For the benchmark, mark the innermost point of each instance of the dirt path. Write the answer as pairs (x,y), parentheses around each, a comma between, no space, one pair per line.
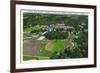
(41,38)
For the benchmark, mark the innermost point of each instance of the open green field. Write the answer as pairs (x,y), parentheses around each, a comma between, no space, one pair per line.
(53,46)
(26,58)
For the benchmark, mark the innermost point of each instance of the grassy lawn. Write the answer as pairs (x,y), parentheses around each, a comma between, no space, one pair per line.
(35,28)
(43,58)
(43,51)
(56,45)
(59,45)
(25,58)
(31,29)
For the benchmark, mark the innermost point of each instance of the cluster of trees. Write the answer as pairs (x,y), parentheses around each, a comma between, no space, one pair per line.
(54,35)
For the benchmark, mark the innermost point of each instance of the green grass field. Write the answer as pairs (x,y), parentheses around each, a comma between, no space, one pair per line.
(54,46)
(59,45)
(27,58)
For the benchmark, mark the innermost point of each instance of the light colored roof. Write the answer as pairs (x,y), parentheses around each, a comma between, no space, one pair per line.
(63,26)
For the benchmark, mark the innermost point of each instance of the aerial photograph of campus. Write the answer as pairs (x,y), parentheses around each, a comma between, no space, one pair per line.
(54,36)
